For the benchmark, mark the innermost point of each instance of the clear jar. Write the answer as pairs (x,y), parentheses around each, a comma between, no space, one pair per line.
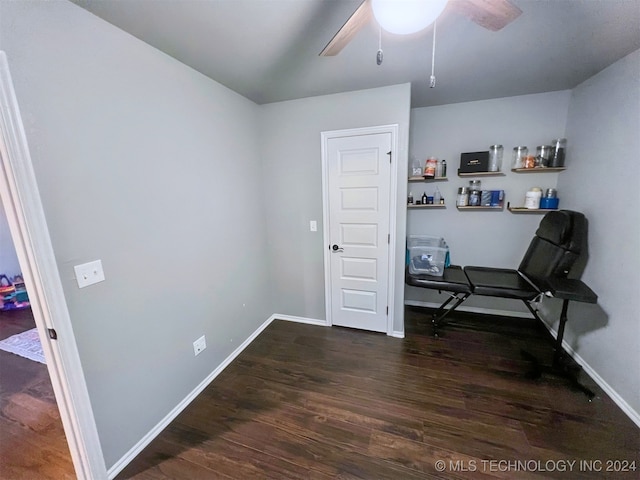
(543,155)
(475,185)
(474,198)
(519,156)
(495,158)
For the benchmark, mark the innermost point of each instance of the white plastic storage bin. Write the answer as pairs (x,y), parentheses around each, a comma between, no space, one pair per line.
(427,254)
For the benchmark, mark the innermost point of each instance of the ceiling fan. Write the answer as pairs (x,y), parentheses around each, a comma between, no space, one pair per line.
(490,14)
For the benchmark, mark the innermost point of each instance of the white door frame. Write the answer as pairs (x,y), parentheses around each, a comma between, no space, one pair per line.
(393,194)
(25,215)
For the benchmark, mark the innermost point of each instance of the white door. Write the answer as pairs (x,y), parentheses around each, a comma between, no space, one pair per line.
(358,181)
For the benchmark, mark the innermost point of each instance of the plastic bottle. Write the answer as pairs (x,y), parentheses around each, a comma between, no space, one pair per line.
(444,168)
(424,198)
(437,197)
(410,199)
(532,198)
(416,168)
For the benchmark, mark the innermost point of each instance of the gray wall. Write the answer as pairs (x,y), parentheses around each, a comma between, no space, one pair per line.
(603,129)
(485,238)
(146,164)
(8,258)
(290,146)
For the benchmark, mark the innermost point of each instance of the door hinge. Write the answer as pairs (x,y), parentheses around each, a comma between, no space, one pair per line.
(53,335)
(387,309)
(388,238)
(389,153)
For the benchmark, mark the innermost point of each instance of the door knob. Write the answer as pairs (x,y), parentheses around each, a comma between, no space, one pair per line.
(336,248)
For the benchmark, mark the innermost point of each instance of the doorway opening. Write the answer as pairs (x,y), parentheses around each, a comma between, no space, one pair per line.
(25,216)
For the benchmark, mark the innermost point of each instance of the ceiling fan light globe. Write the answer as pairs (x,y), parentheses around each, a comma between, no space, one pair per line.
(403,17)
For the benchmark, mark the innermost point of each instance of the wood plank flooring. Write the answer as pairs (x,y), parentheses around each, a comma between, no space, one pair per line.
(32,441)
(312,402)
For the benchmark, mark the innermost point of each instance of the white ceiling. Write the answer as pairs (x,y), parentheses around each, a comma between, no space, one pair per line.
(267,50)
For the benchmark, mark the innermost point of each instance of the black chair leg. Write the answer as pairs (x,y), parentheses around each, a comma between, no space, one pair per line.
(439,314)
(559,367)
(436,317)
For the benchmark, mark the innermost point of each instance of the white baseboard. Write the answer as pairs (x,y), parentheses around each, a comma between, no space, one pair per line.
(397,334)
(624,406)
(291,318)
(155,431)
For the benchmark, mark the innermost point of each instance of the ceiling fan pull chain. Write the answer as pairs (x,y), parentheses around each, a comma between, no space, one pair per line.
(432,79)
(379,54)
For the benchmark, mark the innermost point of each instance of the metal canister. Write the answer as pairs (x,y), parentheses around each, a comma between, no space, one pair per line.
(462,200)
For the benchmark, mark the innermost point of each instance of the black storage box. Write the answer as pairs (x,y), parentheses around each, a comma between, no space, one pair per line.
(474,162)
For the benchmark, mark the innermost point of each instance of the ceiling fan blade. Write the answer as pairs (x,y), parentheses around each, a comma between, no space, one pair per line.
(360,17)
(491,14)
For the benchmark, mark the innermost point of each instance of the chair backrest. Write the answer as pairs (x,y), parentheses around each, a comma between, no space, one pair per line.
(556,247)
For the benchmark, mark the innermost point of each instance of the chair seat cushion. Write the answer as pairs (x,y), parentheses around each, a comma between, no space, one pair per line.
(500,282)
(452,280)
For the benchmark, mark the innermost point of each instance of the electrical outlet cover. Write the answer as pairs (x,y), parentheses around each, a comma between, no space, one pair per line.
(199,345)
(89,273)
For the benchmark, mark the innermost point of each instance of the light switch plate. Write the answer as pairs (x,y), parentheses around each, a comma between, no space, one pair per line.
(313,226)
(89,273)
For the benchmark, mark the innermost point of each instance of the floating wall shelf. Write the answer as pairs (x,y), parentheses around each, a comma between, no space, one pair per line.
(529,210)
(426,206)
(425,179)
(497,207)
(538,170)
(481,174)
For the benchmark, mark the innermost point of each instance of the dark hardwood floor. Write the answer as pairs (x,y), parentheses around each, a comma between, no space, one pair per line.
(312,402)
(32,441)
